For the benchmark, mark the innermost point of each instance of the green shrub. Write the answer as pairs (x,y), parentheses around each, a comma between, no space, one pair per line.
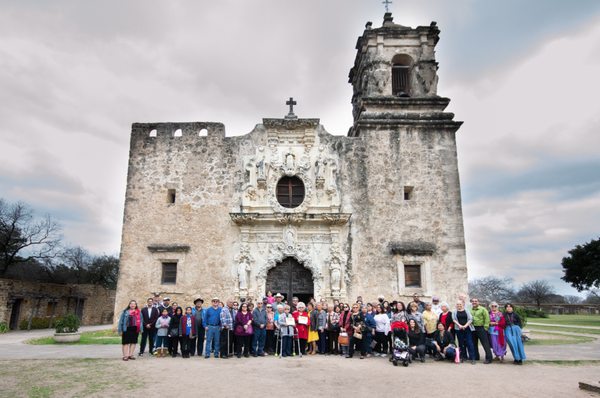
(68,324)
(522,313)
(3,327)
(36,323)
(534,313)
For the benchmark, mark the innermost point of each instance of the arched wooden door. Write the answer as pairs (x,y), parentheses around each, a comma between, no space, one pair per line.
(291,279)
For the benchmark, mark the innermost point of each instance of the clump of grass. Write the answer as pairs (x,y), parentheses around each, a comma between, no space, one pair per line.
(97,337)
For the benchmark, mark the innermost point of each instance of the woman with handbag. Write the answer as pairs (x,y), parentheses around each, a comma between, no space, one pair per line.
(333,329)
(243,331)
(345,329)
(357,322)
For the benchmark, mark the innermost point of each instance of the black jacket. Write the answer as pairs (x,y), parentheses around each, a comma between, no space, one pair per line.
(149,316)
(415,338)
(443,342)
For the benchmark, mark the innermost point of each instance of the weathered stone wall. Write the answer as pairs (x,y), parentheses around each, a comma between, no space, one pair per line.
(202,170)
(355,231)
(376,166)
(98,302)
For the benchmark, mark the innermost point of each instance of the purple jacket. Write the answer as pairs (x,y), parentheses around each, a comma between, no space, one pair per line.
(240,321)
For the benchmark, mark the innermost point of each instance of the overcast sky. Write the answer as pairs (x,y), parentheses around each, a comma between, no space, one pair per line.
(523,75)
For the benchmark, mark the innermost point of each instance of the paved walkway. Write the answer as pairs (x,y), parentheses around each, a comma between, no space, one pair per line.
(12,346)
(529,323)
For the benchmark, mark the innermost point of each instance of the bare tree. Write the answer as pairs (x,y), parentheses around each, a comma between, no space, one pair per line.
(537,291)
(569,299)
(79,261)
(24,238)
(491,288)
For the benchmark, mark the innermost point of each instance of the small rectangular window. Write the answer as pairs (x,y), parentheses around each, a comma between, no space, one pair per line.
(51,308)
(171,196)
(408,193)
(412,275)
(169,273)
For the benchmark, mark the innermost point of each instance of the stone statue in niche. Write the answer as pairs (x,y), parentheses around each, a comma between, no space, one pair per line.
(332,186)
(290,163)
(260,164)
(243,271)
(336,275)
(320,165)
(289,238)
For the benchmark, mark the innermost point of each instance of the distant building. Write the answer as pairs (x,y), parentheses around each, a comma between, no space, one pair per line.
(291,208)
(23,302)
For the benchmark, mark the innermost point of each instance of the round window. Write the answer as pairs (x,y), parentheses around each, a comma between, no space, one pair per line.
(290,192)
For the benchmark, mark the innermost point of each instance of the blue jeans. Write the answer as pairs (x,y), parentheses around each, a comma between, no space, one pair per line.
(322,343)
(368,336)
(161,342)
(286,346)
(258,341)
(465,343)
(212,341)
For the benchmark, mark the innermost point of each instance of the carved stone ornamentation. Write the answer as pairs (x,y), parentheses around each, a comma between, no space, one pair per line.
(280,251)
(243,218)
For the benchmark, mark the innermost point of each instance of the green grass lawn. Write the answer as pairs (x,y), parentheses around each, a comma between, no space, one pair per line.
(554,339)
(574,320)
(97,337)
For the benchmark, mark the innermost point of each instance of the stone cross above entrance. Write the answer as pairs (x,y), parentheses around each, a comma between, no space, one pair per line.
(386,3)
(291,104)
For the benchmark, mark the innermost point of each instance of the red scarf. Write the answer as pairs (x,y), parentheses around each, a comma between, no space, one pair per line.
(135,314)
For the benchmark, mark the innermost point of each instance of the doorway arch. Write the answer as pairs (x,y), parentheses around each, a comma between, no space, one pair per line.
(290,279)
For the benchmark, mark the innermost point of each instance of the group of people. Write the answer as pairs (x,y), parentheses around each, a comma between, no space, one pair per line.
(273,326)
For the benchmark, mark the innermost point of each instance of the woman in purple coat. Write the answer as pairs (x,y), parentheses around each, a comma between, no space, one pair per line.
(242,328)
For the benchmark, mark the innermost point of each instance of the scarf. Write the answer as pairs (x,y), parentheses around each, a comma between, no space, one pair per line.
(135,319)
(498,330)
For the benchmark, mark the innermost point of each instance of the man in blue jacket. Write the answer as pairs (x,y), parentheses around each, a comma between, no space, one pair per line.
(212,325)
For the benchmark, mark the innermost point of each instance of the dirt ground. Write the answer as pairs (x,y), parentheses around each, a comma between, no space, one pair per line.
(312,376)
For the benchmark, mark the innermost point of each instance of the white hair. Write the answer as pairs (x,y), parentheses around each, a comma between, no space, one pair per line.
(279,306)
(301,305)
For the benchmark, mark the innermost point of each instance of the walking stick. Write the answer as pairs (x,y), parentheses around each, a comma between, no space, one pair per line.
(227,331)
(297,336)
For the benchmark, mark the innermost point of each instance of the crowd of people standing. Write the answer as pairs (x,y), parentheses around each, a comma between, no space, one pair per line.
(273,326)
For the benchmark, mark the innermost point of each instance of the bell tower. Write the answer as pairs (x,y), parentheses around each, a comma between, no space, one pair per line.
(394,77)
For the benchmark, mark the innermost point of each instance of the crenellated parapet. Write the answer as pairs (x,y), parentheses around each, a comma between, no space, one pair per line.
(174,130)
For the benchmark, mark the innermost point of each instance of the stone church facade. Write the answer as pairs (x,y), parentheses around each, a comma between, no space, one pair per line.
(291,208)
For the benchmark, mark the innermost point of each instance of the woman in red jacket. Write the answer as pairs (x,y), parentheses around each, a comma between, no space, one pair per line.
(302,323)
(345,326)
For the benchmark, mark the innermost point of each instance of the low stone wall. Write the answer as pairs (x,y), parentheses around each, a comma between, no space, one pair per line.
(23,300)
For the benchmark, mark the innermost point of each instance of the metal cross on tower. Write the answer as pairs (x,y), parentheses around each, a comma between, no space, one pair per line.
(387,5)
(291,104)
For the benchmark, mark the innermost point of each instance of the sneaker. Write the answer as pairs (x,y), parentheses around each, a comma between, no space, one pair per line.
(473,362)
(141,354)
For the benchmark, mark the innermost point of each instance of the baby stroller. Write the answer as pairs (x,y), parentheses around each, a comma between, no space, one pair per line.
(400,351)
